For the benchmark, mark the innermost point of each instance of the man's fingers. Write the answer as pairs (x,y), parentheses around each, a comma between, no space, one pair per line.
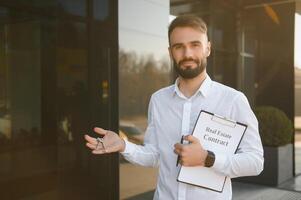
(177,151)
(91,140)
(178,146)
(99,150)
(91,146)
(191,139)
(108,144)
(100,131)
(181,162)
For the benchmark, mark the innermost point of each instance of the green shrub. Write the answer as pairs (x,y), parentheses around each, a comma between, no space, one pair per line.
(274,126)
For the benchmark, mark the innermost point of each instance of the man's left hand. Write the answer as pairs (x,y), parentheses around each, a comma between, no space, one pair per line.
(192,154)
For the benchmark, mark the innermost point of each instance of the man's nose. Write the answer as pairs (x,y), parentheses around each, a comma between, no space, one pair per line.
(188,52)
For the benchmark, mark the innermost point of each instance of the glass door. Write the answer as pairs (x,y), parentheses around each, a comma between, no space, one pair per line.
(58,69)
(28,152)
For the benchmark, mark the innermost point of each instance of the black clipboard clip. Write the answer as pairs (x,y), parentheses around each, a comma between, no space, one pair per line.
(223,120)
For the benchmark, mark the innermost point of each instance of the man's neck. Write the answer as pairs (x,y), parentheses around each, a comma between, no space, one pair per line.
(189,86)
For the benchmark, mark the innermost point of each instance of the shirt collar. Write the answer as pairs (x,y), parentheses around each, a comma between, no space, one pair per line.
(203,89)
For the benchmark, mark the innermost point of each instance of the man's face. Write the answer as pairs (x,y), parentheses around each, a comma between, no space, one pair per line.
(189,49)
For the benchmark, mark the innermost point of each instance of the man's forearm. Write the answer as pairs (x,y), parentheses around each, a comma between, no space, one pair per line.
(146,155)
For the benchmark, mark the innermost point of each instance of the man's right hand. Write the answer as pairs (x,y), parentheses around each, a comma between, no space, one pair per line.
(111,142)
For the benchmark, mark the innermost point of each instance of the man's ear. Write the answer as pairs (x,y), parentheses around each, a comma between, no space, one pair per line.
(208,49)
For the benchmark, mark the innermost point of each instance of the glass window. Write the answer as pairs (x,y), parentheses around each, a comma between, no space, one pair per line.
(73,7)
(56,85)
(100,9)
(27,146)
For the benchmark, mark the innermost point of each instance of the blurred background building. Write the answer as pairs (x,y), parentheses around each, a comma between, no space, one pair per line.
(67,66)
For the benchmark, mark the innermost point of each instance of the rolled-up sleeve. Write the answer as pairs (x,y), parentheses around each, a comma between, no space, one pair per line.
(147,154)
(248,160)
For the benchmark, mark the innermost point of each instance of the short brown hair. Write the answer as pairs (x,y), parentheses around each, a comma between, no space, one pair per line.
(192,21)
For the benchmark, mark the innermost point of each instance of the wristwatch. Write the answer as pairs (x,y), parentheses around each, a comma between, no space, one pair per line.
(209,159)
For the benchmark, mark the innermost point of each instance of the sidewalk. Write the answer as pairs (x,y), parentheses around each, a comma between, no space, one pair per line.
(244,191)
(139,189)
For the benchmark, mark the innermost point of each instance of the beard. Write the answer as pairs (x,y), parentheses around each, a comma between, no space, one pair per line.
(188,72)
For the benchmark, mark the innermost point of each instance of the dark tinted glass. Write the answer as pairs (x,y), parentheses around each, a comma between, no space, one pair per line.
(28,133)
(55,86)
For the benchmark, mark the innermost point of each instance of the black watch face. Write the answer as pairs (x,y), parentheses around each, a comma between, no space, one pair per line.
(210,159)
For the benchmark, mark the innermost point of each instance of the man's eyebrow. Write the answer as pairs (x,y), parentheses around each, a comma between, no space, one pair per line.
(196,41)
(176,44)
(191,42)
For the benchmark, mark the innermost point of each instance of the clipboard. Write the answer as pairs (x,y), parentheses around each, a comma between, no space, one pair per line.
(218,134)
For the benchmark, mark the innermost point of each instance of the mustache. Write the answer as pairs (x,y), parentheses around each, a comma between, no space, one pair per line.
(189,59)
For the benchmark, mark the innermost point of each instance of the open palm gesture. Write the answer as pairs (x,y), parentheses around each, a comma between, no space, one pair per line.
(109,143)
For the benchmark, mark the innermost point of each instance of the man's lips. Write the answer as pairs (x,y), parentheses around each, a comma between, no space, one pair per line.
(188,63)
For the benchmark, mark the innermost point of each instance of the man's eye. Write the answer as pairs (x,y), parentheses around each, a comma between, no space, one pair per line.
(196,45)
(177,47)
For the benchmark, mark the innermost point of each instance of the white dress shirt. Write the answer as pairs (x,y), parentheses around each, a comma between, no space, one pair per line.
(172,115)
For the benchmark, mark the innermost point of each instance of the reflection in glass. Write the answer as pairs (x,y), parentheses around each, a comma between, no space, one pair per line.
(73,108)
(72,88)
(27,151)
(269,49)
(47,70)
(100,9)
(73,7)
